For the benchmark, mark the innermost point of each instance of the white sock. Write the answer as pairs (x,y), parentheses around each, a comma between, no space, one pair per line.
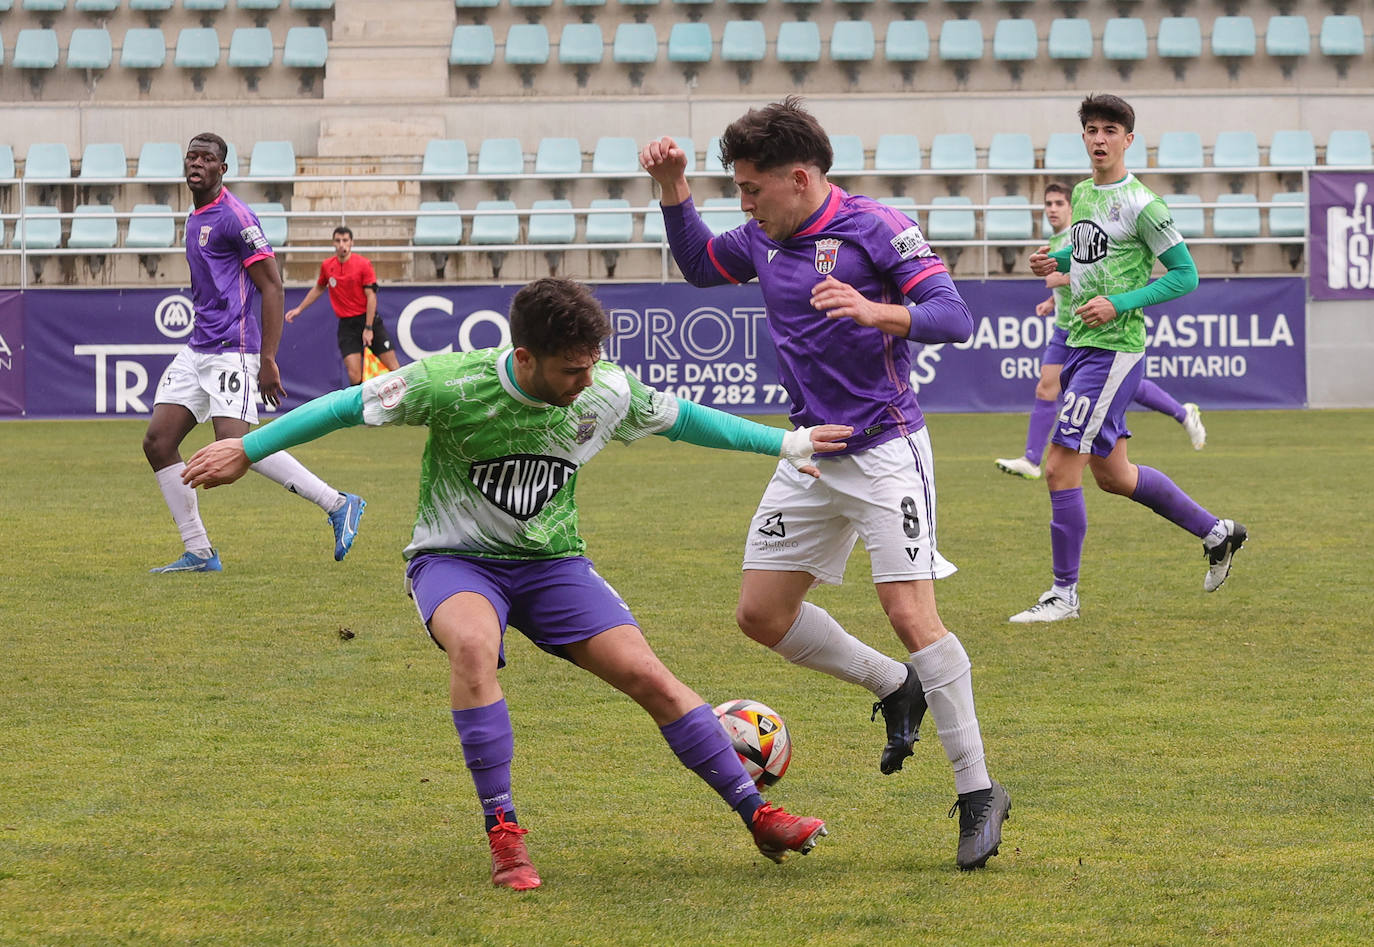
(1218,534)
(181,500)
(817,641)
(947,678)
(1067,592)
(293,475)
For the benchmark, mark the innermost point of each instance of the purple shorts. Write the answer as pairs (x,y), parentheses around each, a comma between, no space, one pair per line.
(1098,386)
(1057,349)
(553,602)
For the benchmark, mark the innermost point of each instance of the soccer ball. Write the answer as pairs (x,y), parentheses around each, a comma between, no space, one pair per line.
(760,738)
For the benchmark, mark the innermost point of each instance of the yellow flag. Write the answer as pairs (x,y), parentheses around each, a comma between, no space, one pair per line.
(372,365)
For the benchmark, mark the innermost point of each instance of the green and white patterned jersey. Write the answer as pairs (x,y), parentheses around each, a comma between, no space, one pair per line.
(1118,231)
(500,469)
(1064,317)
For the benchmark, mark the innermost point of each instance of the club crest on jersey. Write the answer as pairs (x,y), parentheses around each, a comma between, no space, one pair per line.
(204,235)
(1114,215)
(586,427)
(827,251)
(521,484)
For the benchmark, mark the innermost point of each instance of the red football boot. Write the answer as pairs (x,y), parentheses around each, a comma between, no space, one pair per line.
(510,862)
(777,832)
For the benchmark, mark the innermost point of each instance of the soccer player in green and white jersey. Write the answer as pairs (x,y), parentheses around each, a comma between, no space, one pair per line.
(1120,227)
(496,539)
(1047,389)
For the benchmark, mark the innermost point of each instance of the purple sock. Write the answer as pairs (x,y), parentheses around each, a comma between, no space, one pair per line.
(700,743)
(1149,395)
(488,746)
(1162,495)
(1042,418)
(1068,526)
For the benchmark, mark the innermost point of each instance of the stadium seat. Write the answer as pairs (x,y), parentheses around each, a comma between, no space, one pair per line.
(905,204)
(1292,148)
(35,51)
(206,8)
(689,45)
(723,213)
(49,161)
(444,158)
(307,49)
(852,43)
(1290,220)
(1137,154)
(1179,150)
(635,45)
(1236,150)
(800,8)
(1287,39)
(500,159)
(103,160)
(616,155)
(560,159)
(688,147)
(1071,42)
(654,229)
(478,7)
(849,154)
(952,218)
(7,171)
(1064,151)
(231,159)
(96,6)
(581,46)
(1233,39)
(640,8)
(153,8)
(1237,222)
(90,48)
(906,42)
(151,233)
(610,228)
(897,152)
(1341,40)
(586,9)
(961,42)
(94,227)
(798,45)
(1015,42)
(272,216)
(438,225)
(250,49)
(1011,151)
(1012,223)
(145,49)
(272,159)
(495,229)
(1189,221)
(159,159)
(1124,42)
(312,5)
(527,46)
(259,8)
(710,163)
(1348,148)
(44,7)
(953,151)
(197,50)
(38,229)
(551,227)
(1179,41)
(473,45)
(743,43)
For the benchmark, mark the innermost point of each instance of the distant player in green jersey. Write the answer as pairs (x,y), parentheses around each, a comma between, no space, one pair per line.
(496,538)
(1047,390)
(1119,228)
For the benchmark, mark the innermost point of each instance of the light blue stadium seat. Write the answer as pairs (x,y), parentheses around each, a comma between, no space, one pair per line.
(151,233)
(159,159)
(496,229)
(151,7)
(952,218)
(1064,151)
(1012,223)
(527,44)
(1290,220)
(723,213)
(852,42)
(260,9)
(6,167)
(640,8)
(250,49)
(145,49)
(1233,39)
(635,44)
(585,8)
(500,157)
(1235,150)
(906,42)
(689,149)
(1137,154)
(272,159)
(312,4)
(1179,41)
(1070,42)
(906,205)
(711,159)
(531,8)
(849,154)
(307,47)
(39,229)
(35,49)
(743,42)
(690,44)
(897,152)
(1189,221)
(1124,42)
(953,151)
(1348,148)
(197,50)
(272,216)
(44,6)
(90,48)
(231,160)
(581,44)
(479,5)
(561,157)
(1288,40)
(445,157)
(1015,42)
(96,6)
(1341,40)
(94,227)
(1236,222)
(961,42)
(1294,148)
(473,44)
(1179,150)
(206,6)
(48,160)
(654,229)
(610,228)
(799,45)
(440,224)
(103,160)
(1011,151)
(616,155)
(552,228)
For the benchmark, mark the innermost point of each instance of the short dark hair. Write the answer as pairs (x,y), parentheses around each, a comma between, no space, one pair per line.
(341,229)
(1059,187)
(775,135)
(215,140)
(1105,107)
(553,316)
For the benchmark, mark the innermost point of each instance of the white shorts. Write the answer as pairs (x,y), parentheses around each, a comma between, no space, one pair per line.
(884,496)
(212,384)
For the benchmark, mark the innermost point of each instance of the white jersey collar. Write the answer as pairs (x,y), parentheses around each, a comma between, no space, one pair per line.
(505,371)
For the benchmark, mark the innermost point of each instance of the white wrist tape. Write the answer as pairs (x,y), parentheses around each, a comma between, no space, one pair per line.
(796,447)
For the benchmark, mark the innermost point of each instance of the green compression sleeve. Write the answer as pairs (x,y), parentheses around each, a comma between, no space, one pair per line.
(1179,280)
(707,427)
(1062,257)
(331,412)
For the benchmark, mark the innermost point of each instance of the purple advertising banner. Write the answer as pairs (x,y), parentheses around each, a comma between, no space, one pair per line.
(1233,343)
(1340,234)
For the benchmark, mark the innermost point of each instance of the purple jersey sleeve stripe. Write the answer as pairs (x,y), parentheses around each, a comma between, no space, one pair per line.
(927,272)
(711,252)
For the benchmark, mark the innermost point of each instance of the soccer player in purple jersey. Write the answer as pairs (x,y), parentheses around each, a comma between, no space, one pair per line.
(847,281)
(228,360)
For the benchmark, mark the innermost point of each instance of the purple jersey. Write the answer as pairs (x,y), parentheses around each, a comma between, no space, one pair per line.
(223,239)
(836,371)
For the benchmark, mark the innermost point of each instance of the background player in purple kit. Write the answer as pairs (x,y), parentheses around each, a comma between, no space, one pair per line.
(228,361)
(846,282)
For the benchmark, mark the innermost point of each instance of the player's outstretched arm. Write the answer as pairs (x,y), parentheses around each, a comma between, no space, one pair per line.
(708,427)
(315,293)
(217,463)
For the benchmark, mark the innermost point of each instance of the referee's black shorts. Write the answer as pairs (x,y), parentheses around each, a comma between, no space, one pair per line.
(351,335)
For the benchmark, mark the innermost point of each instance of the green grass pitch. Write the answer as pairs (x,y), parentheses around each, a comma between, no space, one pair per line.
(213,759)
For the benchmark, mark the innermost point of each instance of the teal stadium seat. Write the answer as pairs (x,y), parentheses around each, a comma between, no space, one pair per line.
(1179,150)
(953,151)
(94,227)
(1341,40)
(1137,154)
(473,46)
(654,229)
(438,224)
(616,155)
(231,160)
(1064,151)
(1124,42)
(481,6)
(558,157)
(35,50)
(1348,148)
(852,43)
(1240,221)
(444,157)
(906,205)
(144,49)
(496,229)
(44,6)
(635,45)
(527,46)
(1070,43)
(272,216)
(500,159)
(743,43)
(689,45)
(1288,40)
(306,47)
(1293,148)
(272,159)
(49,161)
(197,50)
(1291,219)
(586,8)
(6,168)
(206,8)
(710,163)
(961,42)
(1236,150)
(640,8)
(532,9)
(552,227)
(897,152)
(1190,221)
(610,228)
(159,159)
(1011,151)
(314,9)
(849,154)
(906,42)
(1179,41)
(96,6)
(952,218)
(250,50)
(151,233)
(153,8)
(798,45)
(90,48)
(581,46)
(1015,42)
(723,213)
(38,229)
(1010,221)
(103,160)
(1233,39)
